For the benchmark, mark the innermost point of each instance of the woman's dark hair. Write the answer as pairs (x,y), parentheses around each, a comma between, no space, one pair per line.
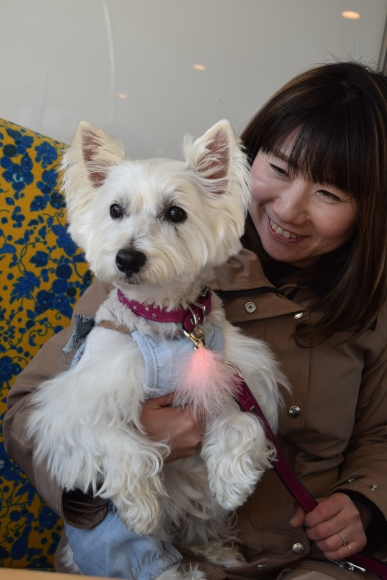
(338,114)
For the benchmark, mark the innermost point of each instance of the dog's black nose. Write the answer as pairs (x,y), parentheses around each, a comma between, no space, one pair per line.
(130,261)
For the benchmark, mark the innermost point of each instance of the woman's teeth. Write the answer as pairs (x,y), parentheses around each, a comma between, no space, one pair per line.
(284,233)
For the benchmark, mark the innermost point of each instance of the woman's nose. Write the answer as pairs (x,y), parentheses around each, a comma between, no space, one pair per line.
(291,206)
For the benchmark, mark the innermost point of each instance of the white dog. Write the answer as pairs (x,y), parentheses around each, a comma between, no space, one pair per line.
(155,230)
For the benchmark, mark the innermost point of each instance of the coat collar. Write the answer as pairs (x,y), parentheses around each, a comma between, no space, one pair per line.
(244,272)
(241,272)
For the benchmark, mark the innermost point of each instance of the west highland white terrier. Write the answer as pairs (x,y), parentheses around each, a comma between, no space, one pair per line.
(155,229)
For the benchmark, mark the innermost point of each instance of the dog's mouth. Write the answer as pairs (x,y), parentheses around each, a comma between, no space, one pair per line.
(133,279)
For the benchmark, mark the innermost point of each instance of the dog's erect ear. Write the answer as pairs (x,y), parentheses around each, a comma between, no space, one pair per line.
(221,174)
(85,166)
(212,154)
(99,151)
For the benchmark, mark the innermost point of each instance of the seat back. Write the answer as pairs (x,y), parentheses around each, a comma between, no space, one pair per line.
(42,275)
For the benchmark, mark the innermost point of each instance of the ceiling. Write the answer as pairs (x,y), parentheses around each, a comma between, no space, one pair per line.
(149,71)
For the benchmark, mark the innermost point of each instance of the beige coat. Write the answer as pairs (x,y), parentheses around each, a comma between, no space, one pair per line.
(333,427)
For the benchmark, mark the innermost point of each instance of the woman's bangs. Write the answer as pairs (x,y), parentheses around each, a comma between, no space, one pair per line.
(325,152)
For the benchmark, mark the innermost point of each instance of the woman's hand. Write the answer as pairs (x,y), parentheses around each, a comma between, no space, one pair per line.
(176,425)
(335,525)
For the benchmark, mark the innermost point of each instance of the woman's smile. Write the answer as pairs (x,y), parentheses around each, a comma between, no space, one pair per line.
(276,229)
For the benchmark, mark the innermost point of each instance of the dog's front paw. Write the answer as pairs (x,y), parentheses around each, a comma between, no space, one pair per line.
(232,484)
(236,454)
(135,486)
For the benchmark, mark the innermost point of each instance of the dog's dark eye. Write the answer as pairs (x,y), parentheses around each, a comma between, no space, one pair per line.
(175,214)
(116,211)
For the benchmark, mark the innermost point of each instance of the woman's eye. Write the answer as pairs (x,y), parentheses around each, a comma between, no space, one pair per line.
(116,211)
(279,170)
(175,214)
(329,196)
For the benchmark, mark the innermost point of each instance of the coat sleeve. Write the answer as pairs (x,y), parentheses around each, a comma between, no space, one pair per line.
(49,361)
(365,465)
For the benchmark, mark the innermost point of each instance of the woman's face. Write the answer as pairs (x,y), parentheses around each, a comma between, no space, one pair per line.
(298,221)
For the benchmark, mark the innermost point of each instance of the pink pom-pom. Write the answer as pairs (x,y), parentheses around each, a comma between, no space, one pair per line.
(205,381)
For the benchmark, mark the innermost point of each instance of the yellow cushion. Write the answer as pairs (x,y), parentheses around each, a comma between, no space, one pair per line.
(42,275)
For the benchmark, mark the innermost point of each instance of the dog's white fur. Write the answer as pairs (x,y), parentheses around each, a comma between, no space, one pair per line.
(86,420)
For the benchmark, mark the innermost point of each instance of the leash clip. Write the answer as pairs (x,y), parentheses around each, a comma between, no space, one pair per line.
(197,337)
(347,565)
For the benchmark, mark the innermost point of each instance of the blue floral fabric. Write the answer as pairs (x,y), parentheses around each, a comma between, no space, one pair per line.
(42,275)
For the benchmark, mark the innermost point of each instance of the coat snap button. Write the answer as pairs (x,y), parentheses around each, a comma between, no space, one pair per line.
(298,548)
(374,487)
(298,315)
(294,411)
(250,307)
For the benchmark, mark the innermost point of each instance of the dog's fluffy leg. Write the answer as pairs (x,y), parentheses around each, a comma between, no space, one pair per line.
(86,426)
(236,453)
(235,448)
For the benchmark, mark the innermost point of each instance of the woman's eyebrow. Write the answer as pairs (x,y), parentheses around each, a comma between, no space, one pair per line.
(280,155)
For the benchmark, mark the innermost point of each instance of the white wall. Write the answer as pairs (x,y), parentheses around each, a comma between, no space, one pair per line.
(127,65)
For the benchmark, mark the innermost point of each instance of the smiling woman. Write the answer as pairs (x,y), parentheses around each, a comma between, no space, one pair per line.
(315,175)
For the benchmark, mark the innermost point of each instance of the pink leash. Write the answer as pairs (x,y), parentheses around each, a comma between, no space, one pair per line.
(248,403)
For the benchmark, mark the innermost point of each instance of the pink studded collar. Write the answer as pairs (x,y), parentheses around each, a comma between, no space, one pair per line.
(189,317)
